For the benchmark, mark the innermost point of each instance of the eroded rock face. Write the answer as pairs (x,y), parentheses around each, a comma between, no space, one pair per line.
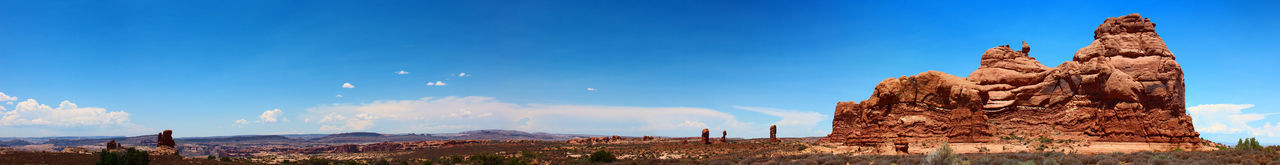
(1124,87)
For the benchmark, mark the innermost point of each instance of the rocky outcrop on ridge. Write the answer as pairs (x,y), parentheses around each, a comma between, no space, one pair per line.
(1124,87)
(165,139)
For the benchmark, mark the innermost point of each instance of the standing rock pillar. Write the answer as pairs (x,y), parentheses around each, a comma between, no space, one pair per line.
(724,133)
(773,133)
(706,135)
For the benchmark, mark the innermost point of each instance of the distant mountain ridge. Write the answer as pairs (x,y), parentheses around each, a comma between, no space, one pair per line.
(337,138)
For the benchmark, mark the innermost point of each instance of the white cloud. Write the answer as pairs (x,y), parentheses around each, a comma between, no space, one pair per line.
(348,85)
(4,97)
(402,72)
(30,118)
(591,89)
(437,83)
(67,114)
(463,75)
(242,121)
(339,95)
(271,116)
(466,114)
(451,114)
(1222,118)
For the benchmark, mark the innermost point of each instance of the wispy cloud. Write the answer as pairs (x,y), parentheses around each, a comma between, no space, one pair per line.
(449,114)
(402,72)
(591,89)
(339,95)
(463,75)
(242,121)
(791,118)
(348,85)
(437,83)
(4,97)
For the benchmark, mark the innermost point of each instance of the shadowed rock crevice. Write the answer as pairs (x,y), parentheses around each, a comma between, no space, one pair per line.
(1124,87)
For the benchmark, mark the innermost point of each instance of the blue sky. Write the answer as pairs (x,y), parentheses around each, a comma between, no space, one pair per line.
(664,68)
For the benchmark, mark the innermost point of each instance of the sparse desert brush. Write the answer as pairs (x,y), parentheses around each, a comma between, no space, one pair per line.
(941,156)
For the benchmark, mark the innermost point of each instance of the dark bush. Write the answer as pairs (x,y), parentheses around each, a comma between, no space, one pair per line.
(131,156)
(602,156)
(492,159)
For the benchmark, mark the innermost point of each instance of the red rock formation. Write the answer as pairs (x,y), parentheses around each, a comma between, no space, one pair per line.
(111,145)
(165,144)
(1124,87)
(384,146)
(706,136)
(724,133)
(165,138)
(1026,49)
(773,133)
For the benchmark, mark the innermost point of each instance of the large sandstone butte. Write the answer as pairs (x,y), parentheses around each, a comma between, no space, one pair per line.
(1124,87)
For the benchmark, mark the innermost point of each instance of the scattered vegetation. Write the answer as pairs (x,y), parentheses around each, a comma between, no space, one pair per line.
(1248,144)
(129,157)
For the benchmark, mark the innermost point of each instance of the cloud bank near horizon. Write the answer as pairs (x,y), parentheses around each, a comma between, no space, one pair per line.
(454,114)
(34,118)
(1213,121)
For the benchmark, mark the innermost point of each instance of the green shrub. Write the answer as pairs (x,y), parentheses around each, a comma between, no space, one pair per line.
(130,157)
(486,159)
(317,161)
(602,156)
(1248,144)
(529,155)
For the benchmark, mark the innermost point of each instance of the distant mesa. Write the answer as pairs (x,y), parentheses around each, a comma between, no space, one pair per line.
(1124,87)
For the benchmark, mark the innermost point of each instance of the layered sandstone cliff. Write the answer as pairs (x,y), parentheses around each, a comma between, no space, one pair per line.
(1124,87)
